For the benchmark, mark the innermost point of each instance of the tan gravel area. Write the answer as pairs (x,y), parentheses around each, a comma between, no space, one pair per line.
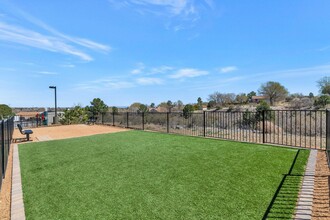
(5,196)
(66,131)
(321,208)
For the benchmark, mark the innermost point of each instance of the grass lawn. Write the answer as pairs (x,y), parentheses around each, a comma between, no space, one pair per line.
(145,175)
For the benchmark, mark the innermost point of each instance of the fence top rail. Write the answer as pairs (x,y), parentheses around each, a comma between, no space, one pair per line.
(222,111)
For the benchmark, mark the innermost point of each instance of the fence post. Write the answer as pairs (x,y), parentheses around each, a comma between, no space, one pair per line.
(168,122)
(113,118)
(142,120)
(127,120)
(204,123)
(3,148)
(327,131)
(263,126)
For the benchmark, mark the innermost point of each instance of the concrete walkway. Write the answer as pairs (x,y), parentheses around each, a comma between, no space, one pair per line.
(305,200)
(17,205)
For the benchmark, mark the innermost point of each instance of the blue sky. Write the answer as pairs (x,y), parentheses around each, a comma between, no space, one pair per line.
(158,50)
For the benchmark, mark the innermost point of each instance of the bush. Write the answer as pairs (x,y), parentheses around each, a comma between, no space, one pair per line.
(187,111)
(322,101)
(264,106)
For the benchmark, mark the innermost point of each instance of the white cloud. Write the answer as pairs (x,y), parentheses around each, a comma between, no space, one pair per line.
(104,84)
(47,73)
(182,13)
(53,41)
(228,69)
(33,39)
(161,69)
(188,73)
(139,69)
(68,65)
(149,81)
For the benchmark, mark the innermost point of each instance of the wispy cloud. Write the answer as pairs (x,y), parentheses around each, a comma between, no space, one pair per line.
(53,41)
(33,39)
(161,69)
(324,48)
(47,73)
(104,84)
(188,73)
(149,81)
(69,65)
(139,68)
(227,69)
(186,11)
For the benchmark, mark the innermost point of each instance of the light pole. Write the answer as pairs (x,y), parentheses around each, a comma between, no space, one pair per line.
(55,120)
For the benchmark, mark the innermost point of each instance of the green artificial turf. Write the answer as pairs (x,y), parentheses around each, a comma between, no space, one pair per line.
(144,175)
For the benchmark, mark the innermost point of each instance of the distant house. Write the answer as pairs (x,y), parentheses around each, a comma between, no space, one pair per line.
(257,99)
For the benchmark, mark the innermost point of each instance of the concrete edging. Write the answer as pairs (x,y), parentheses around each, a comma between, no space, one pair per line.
(305,199)
(17,204)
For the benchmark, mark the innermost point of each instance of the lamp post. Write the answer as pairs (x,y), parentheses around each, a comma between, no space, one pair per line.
(55,120)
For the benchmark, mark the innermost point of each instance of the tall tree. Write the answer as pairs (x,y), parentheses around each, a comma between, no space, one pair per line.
(222,98)
(179,104)
(143,108)
(274,91)
(97,107)
(199,103)
(169,105)
(5,111)
(152,105)
(114,110)
(324,85)
(250,94)
(242,98)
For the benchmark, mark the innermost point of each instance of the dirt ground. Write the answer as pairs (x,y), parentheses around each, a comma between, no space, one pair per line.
(44,134)
(66,131)
(321,208)
(5,196)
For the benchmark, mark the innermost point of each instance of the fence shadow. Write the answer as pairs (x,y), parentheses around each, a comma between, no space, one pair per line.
(285,196)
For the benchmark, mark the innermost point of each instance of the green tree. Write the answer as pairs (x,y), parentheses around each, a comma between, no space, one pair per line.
(169,105)
(179,104)
(274,91)
(324,85)
(311,95)
(187,111)
(114,110)
(5,111)
(143,108)
(199,103)
(211,104)
(250,94)
(242,98)
(152,105)
(97,107)
(76,115)
(134,107)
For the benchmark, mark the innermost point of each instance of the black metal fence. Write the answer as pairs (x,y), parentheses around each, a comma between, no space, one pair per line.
(6,134)
(298,128)
(28,121)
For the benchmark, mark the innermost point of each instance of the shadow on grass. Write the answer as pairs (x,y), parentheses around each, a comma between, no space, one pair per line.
(284,201)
